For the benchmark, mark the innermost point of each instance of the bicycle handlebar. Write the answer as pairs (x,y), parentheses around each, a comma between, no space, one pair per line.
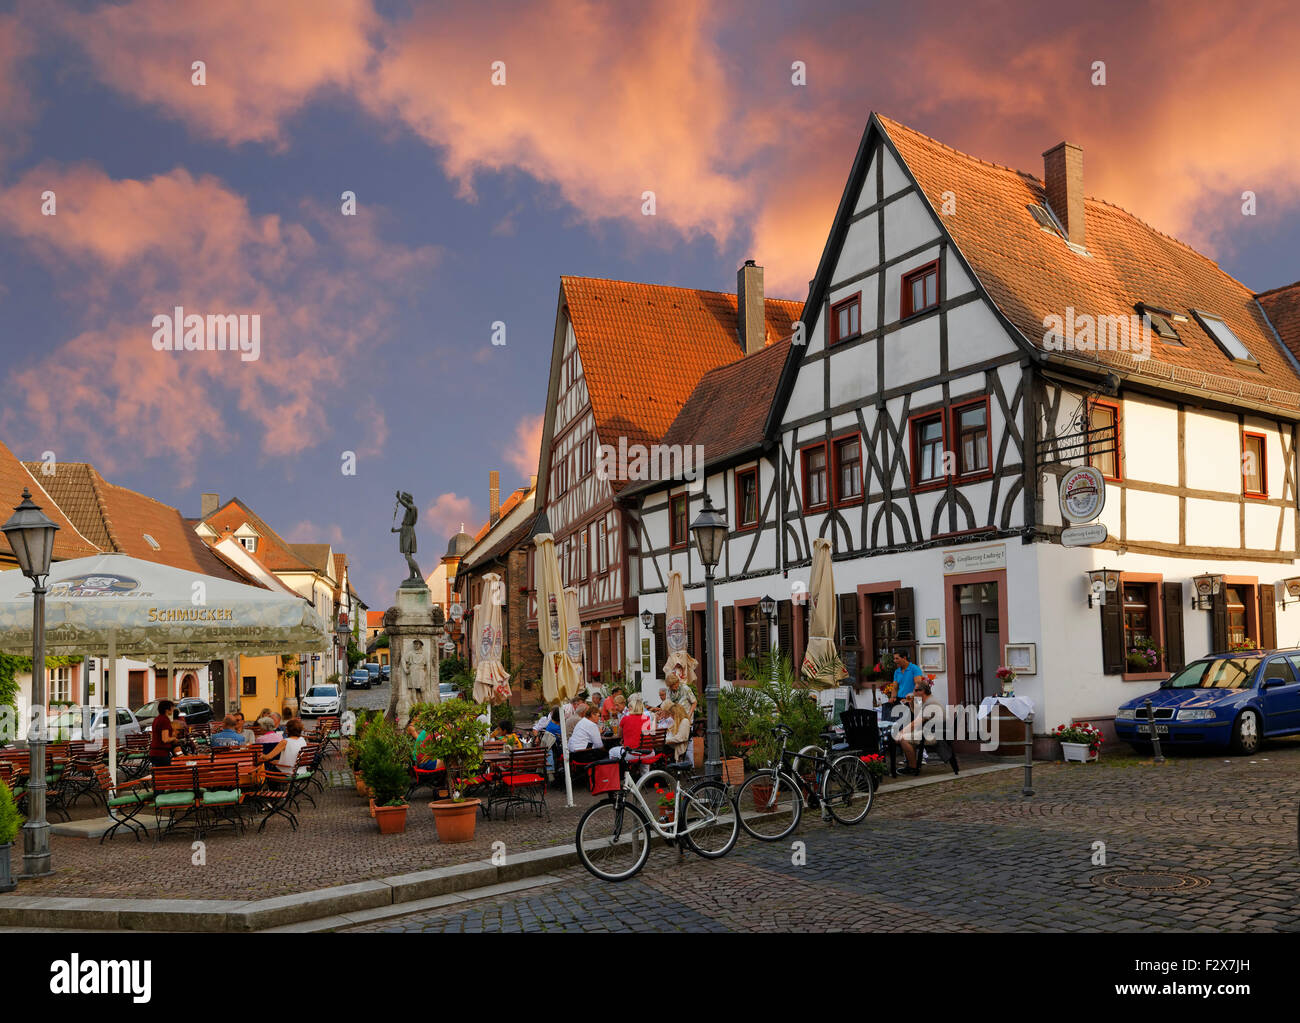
(782,729)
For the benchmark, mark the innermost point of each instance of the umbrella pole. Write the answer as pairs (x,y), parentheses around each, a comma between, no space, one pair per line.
(171,648)
(110,715)
(564,742)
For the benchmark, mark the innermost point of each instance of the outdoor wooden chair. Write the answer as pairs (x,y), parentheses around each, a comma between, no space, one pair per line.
(280,792)
(123,801)
(523,781)
(133,758)
(175,791)
(218,793)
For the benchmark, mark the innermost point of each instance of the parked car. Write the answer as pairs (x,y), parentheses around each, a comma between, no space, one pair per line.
(373,667)
(447,691)
(320,700)
(77,723)
(385,672)
(1234,699)
(360,679)
(195,711)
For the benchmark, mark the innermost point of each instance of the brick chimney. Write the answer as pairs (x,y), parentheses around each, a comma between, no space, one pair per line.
(751,321)
(208,503)
(1063,181)
(494,497)
(532,482)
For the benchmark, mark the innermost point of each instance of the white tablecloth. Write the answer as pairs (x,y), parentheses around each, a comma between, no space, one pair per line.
(1018,705)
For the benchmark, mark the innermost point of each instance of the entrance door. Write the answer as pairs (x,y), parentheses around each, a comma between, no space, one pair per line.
(977,612)
(972,658)
(135,689)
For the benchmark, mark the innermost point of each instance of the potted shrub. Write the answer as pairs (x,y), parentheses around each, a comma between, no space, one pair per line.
(1080,742)
(876,766)
(10,821)
(455,736)
(386,761)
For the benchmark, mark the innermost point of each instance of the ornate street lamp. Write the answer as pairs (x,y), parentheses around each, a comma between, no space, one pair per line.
(31,537)
(768,606)
(710,532)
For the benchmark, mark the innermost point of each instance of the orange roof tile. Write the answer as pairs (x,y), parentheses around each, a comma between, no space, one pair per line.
(126,520)
(69,542)
(644,347)
(1283,308)
(1030,273)
(273,551)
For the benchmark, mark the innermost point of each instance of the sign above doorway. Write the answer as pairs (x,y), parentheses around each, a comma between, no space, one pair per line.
(1084,536)
(975,559)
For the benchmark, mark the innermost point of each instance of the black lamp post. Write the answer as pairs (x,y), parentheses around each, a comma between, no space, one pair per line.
(710,532)
(768,606)
(31,537)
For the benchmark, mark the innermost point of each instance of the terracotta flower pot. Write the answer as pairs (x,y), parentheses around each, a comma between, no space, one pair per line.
(733,770)
(391,819)
(455,821)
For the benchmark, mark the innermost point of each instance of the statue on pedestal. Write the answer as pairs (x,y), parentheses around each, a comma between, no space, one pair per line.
(406,537)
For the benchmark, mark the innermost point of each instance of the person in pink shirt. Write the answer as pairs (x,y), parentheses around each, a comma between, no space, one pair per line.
(607,708)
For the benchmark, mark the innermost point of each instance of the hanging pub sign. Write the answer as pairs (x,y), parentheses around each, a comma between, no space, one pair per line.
(1082,494)
(1084,536)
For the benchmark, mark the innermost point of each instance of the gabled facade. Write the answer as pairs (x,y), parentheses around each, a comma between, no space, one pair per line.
(625,358)
(952,375)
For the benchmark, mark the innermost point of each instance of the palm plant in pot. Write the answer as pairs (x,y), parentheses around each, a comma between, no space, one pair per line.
(10,821)
(455,736)
(386,761)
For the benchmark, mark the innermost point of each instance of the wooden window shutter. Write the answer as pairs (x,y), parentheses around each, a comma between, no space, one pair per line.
(1175,656)
(764,633)
(728,642)
(784,625)
(850,647)
(1267,618)
(1219,621)
(661,643)
(904,619)
(1112,634)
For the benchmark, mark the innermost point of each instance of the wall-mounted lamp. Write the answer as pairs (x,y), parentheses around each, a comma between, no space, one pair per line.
(1284,588)
(1204,589)
(1101,583)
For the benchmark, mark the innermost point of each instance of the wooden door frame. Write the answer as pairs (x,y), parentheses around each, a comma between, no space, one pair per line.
(952,609)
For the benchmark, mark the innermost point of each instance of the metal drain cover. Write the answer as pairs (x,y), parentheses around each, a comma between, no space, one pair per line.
(1149,880)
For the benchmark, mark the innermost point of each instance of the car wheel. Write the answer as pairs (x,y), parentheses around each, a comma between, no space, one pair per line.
(1245,733)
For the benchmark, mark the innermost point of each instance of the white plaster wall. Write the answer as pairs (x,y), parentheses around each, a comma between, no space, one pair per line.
(1151,454)
(1149,516)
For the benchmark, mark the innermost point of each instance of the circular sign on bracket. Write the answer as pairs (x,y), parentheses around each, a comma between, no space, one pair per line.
(1083,493)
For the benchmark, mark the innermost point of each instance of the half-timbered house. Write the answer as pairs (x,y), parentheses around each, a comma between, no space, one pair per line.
(625,358)
(972,333)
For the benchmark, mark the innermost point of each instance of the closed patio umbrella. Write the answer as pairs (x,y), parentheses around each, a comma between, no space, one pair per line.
(822,667)
(675,633)
(560,680)
(491,682)
(145,610)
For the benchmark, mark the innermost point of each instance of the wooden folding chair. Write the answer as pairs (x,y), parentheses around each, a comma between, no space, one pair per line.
(123,801)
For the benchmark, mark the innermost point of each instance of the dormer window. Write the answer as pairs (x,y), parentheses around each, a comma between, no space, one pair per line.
(249,543)
(1161,321)
(1225,338)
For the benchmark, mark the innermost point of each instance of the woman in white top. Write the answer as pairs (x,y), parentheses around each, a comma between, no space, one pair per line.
(679,735)
(285,752)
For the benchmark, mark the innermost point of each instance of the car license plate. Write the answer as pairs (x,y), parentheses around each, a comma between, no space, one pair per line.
(1146,729)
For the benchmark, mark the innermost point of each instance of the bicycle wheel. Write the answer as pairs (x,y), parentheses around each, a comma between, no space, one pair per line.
(711,802)
(847,790)
(769,805)
(613,840)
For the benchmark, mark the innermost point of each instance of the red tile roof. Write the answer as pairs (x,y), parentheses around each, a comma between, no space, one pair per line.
(69,542)
(644,347)
(272,550)
(504,510)
(1283,308)
(728,408)
(1030,273)
(374,619)
(124,520)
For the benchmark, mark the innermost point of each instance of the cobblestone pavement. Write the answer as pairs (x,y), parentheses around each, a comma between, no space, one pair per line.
(1210,841)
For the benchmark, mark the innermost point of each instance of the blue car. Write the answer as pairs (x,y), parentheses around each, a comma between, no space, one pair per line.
(1235,700)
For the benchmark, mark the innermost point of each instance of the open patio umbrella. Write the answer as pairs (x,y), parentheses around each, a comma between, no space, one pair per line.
(675,632)
(143,610)
(491,682)
(822,666)
(560,679)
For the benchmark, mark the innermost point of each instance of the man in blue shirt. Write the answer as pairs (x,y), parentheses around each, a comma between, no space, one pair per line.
(905,675)
(228,736)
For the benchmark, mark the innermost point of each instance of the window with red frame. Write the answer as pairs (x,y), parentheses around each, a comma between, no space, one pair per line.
(814,477)
(848,469)
(1103,439)
(970,428)
(921,289)
(927,449)
(1254,477)
(747,497)
(677,532)
(846,318)
(584,554)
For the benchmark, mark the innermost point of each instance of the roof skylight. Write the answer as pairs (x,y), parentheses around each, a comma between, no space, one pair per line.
(1223,335)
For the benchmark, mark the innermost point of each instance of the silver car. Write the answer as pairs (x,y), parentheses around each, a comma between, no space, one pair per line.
(77,723)
(320,701)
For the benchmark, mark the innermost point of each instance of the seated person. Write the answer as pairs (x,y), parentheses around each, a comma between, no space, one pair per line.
(586,744)
(230,734)
(911,729)
(679,740)
(285,752)
(241,726)
(633,724)
(664,716)
(272,734)
(422,761)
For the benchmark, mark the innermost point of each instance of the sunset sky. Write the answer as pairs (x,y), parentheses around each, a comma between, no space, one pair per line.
(474,198)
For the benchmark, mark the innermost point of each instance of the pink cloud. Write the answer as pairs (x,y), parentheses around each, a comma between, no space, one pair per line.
(526,445)
(307,531)
(449,514)
(16,102)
